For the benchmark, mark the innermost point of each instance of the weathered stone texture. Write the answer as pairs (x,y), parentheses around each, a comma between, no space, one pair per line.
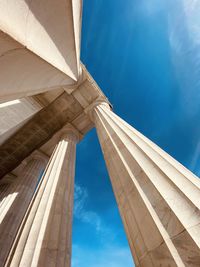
(158,198)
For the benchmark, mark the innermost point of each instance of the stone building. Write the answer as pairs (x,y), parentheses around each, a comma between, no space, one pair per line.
(48,102)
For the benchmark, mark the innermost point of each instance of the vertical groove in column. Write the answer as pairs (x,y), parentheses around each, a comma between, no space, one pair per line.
(19,195)
(3,188)
(48,209)
(3,194)
(6,189)
(158,198)
(44,238)
(22,235)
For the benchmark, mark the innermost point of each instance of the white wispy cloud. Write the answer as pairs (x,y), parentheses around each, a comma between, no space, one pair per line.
(184,37)
(195,161)
(111,255)
(80,197)
(84,215)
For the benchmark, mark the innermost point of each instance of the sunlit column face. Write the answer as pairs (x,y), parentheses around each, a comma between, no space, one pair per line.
(48,224)
(156,195)
(16,199)
(14,114)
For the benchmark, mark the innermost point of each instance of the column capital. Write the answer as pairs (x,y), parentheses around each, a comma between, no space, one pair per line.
(37,154)
(81,78)
(70,133)
(8,178)
(98,102)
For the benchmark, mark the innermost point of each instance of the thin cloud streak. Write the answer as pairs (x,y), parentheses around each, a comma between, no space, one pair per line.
(84,215)
(184,38)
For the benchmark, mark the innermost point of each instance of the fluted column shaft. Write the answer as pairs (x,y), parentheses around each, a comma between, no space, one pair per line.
(44,238)
(5,193)
(159,199)
(17,197)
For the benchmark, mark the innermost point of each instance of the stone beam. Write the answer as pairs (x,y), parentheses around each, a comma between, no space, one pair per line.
(14,114)
(38,131)
(23,73)
(67,108)
(50,29)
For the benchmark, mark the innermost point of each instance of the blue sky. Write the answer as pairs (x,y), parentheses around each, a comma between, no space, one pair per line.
(145,56)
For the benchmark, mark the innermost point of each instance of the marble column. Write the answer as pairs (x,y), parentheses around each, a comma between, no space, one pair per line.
(44,238)
(17,197)
(5,185)
(158,198)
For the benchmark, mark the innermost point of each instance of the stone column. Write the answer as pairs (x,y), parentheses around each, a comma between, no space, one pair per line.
(5,195)
(44,238)
(158,198)
(17,197)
